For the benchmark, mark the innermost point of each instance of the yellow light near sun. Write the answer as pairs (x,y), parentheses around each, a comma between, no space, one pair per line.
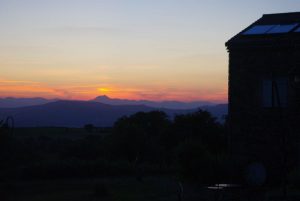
(103,90)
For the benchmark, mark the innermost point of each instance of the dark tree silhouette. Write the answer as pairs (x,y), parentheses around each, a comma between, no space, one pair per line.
(200,144)
(137,137)
(89,127)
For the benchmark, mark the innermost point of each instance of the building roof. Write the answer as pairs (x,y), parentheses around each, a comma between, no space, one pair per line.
(270,29)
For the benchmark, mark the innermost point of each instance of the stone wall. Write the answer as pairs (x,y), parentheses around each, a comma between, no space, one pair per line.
(260,134)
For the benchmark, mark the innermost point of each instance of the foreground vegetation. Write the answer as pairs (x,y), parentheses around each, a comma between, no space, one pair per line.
(192,146)
(145,156)
(112,188)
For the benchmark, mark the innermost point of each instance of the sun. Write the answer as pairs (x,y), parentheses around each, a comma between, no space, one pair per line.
(104,90)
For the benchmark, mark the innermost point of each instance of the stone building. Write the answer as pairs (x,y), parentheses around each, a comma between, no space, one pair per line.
(264,94)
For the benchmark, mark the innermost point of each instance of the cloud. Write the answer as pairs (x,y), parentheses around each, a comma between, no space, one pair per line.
(23,88)
(163,93)
(4,82)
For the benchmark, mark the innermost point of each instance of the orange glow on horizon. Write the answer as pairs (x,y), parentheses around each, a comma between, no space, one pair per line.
(18,89)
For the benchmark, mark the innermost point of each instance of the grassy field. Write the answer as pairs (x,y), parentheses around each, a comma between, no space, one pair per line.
(107,189)
(65,153)
(58,132)
(128,189)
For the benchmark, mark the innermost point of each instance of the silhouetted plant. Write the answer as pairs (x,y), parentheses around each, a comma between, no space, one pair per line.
(202,126)
(137,137)
(101,191)
(89,127)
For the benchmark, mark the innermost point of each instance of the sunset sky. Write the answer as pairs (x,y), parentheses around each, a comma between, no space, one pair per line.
(134,49)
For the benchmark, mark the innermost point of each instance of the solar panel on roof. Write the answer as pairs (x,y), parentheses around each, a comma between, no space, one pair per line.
(282,28)
(258,29)
(297,30)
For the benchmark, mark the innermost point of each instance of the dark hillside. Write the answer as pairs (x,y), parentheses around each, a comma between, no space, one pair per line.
(75,114)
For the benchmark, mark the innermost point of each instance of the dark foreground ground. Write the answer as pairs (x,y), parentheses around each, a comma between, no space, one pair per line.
(90,164)
(123,189)
(128,189)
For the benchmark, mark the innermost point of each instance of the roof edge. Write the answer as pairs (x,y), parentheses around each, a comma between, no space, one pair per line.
(288,13)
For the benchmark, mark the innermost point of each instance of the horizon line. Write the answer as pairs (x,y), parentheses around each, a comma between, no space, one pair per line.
(112,98)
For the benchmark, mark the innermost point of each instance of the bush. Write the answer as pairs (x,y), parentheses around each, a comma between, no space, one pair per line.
(101,191)
(195,161)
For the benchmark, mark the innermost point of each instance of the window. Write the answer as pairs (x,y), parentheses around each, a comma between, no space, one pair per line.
(275,92)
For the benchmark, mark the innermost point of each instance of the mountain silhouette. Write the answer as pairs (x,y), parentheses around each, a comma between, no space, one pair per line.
(11,102)
(66,113)
(155,104)
(75,113)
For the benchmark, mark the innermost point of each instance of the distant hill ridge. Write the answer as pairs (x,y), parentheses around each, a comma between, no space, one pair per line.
(75,113)
(156,104)
(10,102)
(66,113)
